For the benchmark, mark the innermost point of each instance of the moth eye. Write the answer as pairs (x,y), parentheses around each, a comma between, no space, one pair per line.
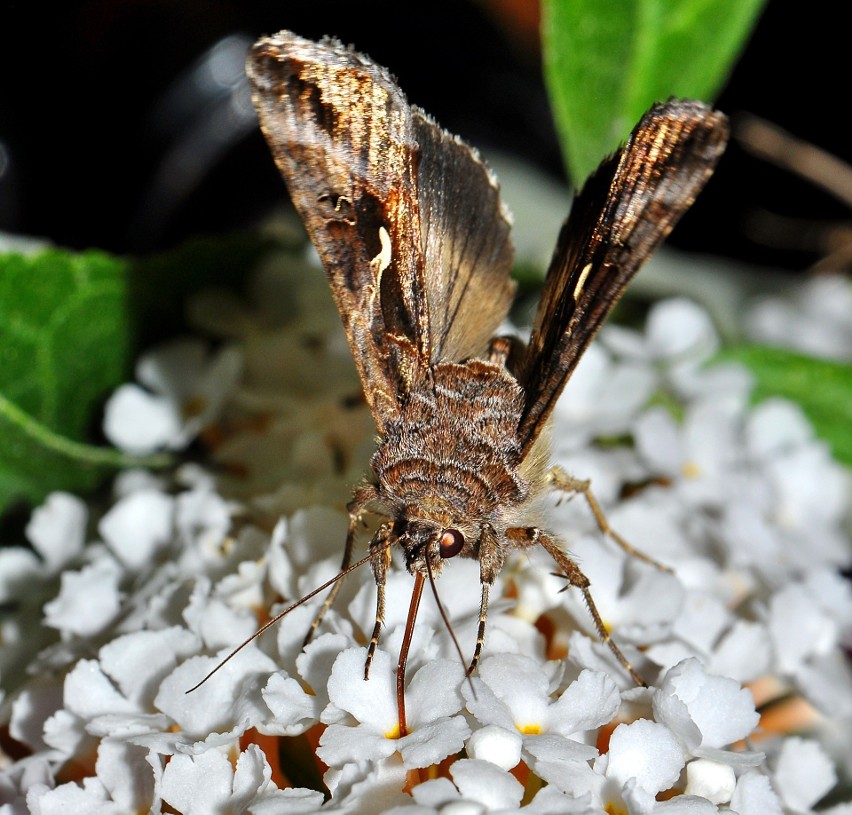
(451,543)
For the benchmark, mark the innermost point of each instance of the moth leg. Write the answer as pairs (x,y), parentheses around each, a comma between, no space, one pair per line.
(380,563)
(499,349)
(491,559)
(362,498)
(564,482)
(529,536)
(507,352)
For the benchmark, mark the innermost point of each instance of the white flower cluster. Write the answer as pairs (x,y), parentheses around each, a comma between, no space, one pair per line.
(812,317)
(117,613)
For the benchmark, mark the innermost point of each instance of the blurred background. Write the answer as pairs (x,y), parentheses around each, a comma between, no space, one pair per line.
(128,126)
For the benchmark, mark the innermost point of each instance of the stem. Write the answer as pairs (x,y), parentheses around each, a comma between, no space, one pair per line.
(75,450)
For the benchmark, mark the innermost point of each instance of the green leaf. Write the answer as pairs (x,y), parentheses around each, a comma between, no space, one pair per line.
(606,63)
(68,326)
(63,347)
(822,388)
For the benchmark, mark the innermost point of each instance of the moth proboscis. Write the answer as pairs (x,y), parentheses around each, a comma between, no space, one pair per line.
(414,240)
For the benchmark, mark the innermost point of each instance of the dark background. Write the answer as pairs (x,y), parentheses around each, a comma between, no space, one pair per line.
(86,121)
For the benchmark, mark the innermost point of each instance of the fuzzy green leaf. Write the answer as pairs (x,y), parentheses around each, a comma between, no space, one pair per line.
(607,63)
(63,347)
(822,388)
(69,325)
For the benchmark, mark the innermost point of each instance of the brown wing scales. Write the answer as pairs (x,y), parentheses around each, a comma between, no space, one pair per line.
(340,132)
(406,218)
(626,208)
(466,242)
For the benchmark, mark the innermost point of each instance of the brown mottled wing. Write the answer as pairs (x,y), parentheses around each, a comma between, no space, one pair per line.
(626,208)
(341,134)
(466,242)
(406,219)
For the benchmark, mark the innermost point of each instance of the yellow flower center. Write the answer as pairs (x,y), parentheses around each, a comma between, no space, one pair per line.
(393,733)
(690,470)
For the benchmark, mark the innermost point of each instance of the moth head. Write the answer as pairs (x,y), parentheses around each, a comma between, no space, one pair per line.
(422,539)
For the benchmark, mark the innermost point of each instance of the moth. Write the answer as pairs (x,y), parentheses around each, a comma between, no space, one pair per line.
(415,242)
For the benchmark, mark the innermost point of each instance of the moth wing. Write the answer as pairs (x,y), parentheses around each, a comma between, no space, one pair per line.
(341,133)
(625,209)
(466,243)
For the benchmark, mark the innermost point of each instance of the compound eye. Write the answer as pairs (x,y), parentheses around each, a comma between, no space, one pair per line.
(451,543)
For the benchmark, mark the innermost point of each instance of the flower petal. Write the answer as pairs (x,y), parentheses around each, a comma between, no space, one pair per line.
(588,702)
(497,745)
(371,702)
(138,422)
(803,773)
(57,529)
(432,742)
(487,784)
(646,751)
(88,600)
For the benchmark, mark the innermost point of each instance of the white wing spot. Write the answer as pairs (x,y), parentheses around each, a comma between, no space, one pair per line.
(578,289)
(381,261)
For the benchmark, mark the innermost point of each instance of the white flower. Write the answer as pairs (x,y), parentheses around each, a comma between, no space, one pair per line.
(644,758)
(601,398)
(677,332)
(57,529)
(299,543)
(497,745)
(432,700)
(474,783)
(89,599)
(295,710)
(92,798)
(803,774)
(368,786)
(137,526)
(808,623)
(699,454)
(186,391)
(139,422)
(812,317)
(202,517)
(645,751)
(706,713)
(226,706)
(513,693)
(711,780)
(754,796)
(130,775)
(196,785)
(304,553)
(696,715)
(29,577)
(31,708)
(744,504)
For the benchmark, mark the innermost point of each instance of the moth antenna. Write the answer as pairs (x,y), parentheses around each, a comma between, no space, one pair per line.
(446,619)
(279,616)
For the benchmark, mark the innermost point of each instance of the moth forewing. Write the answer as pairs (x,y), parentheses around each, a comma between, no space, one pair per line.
(624,211)
(409,226)
(340,132)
